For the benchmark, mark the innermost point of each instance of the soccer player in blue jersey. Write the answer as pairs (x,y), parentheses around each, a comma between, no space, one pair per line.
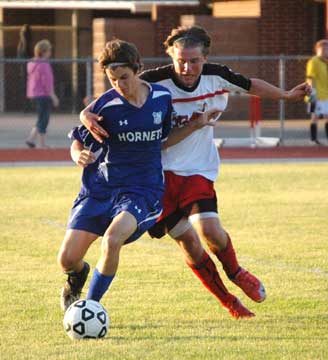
(122,181)
(121,193)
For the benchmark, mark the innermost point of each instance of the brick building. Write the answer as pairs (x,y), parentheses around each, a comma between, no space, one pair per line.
(79,28)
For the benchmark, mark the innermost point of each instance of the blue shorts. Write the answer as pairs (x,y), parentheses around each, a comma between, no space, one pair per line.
(95,215)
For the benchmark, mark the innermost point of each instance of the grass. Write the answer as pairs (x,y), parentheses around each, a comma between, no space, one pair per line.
(276,215)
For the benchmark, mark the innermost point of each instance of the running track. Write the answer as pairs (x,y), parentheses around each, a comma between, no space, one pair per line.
(236,153)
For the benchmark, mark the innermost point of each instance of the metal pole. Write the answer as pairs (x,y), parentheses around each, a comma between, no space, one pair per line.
(2,65)
(89,87)
(74,63)
(282,85)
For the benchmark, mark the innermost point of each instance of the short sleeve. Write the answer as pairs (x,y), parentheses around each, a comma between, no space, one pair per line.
(311,69)
(83,135)
(167,123)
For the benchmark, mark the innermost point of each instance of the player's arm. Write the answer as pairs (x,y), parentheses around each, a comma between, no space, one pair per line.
(198,121)
(266,90)
(90,121)
(81,155)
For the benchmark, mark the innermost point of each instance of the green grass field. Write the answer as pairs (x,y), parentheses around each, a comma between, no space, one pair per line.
(277,217)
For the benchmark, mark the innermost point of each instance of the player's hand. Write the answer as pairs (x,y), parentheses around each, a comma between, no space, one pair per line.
(86,158)
(298,92)
(200,119)
(313,96)
(90,121)
(55,100)
(213,115)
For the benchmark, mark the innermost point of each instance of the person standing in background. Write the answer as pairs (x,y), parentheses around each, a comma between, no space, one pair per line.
(40,89)
(317,77)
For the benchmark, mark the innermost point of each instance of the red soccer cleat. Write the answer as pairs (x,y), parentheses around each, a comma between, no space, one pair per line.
(250,284)
(237,309)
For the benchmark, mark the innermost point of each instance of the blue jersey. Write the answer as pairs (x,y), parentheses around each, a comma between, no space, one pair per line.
(131,156)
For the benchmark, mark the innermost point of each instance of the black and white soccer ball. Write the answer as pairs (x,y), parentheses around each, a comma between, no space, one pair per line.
(86,319)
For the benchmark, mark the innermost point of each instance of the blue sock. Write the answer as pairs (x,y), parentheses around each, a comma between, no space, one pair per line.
(98,285)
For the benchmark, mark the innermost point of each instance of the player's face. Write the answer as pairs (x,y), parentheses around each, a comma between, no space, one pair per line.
(46,54)
(323,51)
(123,80)
(188,64)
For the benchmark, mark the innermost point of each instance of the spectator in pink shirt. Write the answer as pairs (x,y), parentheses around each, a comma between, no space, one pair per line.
(40,89)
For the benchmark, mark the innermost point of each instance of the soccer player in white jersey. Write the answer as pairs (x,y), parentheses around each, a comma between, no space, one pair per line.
(191,166)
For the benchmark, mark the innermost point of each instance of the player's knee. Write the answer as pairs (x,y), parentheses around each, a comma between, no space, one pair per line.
(191,245)
(66,260)
(195,251)
(216,237)
(210,234)
(110,245)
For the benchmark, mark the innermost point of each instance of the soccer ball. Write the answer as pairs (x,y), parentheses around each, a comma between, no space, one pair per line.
(86,319)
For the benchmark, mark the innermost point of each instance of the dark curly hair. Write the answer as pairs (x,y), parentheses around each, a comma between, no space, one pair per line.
(186,37)
(120,51)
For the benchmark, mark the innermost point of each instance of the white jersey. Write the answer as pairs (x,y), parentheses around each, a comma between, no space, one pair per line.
(197,154)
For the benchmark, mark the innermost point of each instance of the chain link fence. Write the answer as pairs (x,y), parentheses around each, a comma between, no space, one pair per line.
(74,81)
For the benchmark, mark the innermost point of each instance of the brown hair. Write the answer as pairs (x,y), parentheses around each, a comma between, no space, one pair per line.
(186,37)
(120,52)
(41,47)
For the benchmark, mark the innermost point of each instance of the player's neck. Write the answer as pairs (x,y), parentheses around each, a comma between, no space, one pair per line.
(139,96)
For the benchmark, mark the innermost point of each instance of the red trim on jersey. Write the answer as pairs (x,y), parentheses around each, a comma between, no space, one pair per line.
(201,97)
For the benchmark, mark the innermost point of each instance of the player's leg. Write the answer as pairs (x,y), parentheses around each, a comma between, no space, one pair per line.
(314,128)
(220,244)
(325,116)
(200,204)
(43,119)
(315,110)
(120,229)
(204,268)
(70,258)
(30,141)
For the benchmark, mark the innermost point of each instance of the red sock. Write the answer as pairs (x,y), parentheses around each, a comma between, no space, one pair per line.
(208,275)
(228,259)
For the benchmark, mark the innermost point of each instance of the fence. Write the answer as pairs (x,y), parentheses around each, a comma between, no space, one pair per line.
(74,81)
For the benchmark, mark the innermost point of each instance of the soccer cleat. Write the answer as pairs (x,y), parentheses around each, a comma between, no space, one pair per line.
(250,284)
(73,287)
(237,310)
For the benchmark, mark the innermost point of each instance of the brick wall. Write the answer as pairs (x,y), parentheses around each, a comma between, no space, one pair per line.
(166,18)
(286,27)
(138,31)
(100,36)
